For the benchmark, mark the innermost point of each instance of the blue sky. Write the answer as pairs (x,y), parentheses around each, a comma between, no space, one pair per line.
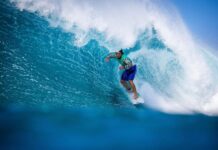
(201,17)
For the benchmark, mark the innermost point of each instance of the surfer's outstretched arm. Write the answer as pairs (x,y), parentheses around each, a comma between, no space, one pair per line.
(110,55)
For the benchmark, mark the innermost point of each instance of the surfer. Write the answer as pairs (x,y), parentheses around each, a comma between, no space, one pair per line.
(129,72)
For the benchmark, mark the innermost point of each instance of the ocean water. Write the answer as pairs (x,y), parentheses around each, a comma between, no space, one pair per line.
(56,91)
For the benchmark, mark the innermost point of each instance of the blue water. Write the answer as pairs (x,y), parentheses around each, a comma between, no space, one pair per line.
(56,95)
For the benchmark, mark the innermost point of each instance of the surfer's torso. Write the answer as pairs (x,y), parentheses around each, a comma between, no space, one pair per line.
(125,61)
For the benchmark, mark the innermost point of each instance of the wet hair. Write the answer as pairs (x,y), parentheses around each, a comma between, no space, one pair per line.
(121,51)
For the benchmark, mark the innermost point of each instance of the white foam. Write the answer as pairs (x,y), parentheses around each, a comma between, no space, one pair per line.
(121,21)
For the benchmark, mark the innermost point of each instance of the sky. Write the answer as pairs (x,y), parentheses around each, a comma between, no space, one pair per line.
(201,18)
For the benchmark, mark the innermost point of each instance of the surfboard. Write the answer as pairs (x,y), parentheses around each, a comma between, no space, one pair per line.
(137,101)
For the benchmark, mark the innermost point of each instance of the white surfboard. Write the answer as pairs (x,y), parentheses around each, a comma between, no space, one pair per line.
(137,101)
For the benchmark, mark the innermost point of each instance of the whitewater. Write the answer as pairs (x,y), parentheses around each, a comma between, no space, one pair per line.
(176,73)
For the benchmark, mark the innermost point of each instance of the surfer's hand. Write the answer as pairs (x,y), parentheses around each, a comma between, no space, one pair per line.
(121,67)
(107,59)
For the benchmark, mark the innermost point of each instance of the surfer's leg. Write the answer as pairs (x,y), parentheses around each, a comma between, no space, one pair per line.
(133,89)
(123,81)
(125,84)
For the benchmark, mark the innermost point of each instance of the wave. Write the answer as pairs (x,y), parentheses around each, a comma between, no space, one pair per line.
(175,73)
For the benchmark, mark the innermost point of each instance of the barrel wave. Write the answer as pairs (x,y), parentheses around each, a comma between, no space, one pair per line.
(53,54)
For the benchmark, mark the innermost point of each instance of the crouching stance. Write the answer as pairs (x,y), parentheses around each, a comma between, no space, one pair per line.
(129,71)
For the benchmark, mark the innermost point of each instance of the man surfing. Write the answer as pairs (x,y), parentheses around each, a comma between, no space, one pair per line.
(129,71)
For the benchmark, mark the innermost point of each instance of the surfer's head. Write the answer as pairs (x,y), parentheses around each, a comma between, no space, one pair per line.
(119,54)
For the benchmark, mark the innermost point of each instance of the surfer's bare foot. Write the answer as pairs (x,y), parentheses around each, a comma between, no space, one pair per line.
(135,96)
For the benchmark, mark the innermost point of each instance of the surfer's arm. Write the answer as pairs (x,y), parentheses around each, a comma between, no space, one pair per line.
(128,63)
(110,55)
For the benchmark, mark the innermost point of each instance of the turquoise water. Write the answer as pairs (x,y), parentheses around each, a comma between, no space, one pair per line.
(105,129)
(57,95)
(41,66)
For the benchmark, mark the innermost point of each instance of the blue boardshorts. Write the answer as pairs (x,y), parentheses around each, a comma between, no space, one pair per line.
(129,74)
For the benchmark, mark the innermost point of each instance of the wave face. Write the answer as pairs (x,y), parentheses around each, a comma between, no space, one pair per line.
(53,54)
(42,66)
